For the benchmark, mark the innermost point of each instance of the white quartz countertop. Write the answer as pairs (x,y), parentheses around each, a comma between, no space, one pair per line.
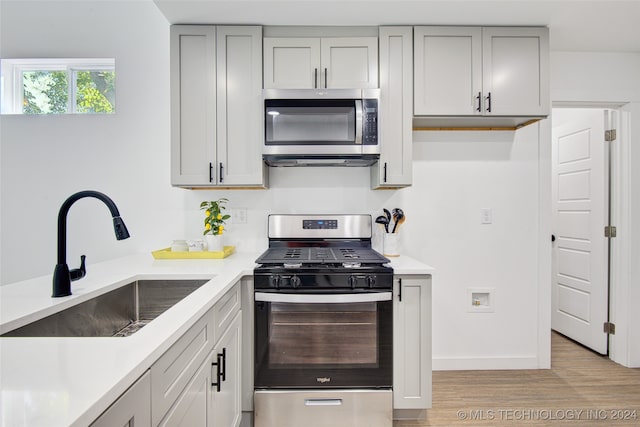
(71,381)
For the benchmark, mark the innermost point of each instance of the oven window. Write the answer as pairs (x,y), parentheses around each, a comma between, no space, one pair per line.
(323,334)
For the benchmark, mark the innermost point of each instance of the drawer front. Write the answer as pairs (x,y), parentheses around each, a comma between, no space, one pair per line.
(337,408)
(173,371)
(225,310)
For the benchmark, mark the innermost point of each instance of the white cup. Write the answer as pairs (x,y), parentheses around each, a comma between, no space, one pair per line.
(195,245)
(179,246)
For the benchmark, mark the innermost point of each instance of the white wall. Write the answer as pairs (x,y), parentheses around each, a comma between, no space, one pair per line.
(45,159)
(609,79)
(457,174)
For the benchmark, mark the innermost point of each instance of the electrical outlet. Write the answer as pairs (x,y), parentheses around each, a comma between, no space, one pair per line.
(239,215)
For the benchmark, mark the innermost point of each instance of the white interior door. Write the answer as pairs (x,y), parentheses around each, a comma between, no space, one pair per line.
(580,206)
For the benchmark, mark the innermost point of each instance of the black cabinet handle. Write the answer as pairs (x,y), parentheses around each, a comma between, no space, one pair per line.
(325,78)
(315,78)
(399,289)
(210,172)
(224,364)
(221,170)
(553,237)
(479,98)
(489,102)
(217,364)
(385,172)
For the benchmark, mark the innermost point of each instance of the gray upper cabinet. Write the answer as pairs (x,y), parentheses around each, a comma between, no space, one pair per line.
(320,62)
(216,106)
(394,169)
(481,71)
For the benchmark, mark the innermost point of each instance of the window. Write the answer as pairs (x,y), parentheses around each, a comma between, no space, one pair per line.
(58,86)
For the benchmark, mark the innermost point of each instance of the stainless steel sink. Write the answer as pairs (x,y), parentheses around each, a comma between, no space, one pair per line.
(118,313)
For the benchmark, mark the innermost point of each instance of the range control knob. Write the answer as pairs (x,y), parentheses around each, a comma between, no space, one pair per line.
(295,281)
(359,281)
(371,281)
(274,281)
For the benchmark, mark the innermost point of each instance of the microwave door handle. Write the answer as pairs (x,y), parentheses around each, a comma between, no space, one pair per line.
(358,121)
(322,298)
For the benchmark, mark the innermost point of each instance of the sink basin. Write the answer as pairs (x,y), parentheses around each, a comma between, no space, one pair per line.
(118,313)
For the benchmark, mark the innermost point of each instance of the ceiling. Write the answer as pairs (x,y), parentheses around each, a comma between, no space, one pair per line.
(574,25)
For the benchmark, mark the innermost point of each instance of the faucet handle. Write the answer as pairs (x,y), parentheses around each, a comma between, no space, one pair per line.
(79,273)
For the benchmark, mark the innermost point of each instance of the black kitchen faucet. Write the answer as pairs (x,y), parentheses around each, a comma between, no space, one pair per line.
(62,277)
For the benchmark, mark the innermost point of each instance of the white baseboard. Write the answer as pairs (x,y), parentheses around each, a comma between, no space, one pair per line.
(485,363)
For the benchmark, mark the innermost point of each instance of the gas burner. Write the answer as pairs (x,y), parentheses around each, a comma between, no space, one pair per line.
(293,253)
(322,253)
(349,253)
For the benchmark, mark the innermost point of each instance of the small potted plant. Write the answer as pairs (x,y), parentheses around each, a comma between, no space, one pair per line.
(214,223)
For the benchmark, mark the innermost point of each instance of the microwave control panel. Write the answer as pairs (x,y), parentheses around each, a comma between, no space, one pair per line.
(370,121)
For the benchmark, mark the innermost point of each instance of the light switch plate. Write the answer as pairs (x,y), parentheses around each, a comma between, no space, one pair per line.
(239,215)
(486,216)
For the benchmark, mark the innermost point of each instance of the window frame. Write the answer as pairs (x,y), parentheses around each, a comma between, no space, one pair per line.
(12,83)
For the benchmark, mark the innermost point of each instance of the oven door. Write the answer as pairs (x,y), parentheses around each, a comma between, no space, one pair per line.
(323,340)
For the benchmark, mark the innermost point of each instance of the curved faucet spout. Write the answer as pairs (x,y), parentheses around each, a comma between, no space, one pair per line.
(62,277)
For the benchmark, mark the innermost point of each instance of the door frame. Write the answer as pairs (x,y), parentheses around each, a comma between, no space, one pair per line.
(619,187)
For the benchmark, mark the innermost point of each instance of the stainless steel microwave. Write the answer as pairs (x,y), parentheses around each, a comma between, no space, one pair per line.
(321,127)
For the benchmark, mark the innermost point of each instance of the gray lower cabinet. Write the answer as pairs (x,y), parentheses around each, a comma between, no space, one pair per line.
(197,382)
(192,406)
(411,345)
(212,397)
(133,408)
(225,400)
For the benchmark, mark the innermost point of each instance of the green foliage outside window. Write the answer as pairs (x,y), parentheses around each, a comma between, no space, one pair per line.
(47,92)
(96,91)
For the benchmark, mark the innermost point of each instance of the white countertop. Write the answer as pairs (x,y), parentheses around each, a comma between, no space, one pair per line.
(71,381)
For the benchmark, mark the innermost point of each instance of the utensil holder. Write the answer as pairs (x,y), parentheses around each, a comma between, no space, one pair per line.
(391,244)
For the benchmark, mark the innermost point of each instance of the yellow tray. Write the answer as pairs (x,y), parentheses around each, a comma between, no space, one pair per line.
(167,254)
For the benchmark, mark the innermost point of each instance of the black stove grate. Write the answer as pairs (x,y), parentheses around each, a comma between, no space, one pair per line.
(293,254)
(320,255)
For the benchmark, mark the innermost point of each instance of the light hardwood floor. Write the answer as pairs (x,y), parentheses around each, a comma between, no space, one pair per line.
(582,388)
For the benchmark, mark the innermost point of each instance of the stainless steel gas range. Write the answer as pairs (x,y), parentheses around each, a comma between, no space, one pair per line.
(323,325)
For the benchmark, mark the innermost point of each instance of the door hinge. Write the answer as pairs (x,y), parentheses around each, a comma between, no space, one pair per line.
(609,328)
(610,135)
(610,231)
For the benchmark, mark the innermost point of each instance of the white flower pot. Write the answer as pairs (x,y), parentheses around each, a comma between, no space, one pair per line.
(215,243)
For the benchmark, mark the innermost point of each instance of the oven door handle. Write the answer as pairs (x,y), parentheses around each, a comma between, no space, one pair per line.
(323,298)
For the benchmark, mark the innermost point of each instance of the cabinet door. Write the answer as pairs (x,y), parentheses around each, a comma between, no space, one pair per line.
(132,409)
(239,133)
(192,407)
(193,105)
(226,404)
(448,70)
(516,71)
(172,372)
(394,169)
(412,342)
(349,62)
(291,63)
